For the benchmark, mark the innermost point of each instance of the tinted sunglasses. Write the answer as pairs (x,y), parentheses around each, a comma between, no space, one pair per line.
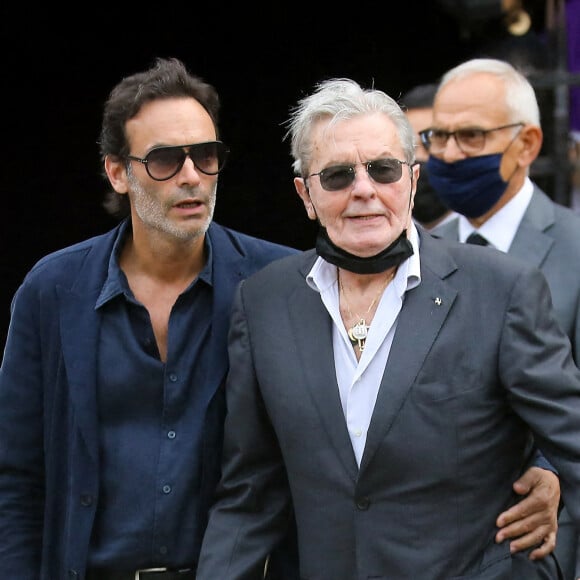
(337,177)
(163,163)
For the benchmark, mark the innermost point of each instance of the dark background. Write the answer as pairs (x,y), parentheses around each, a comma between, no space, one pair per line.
(59,67)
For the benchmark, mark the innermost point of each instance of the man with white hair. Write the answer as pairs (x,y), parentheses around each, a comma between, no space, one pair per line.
(484,138)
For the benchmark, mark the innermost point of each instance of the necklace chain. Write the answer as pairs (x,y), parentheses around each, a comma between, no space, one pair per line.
(359,331)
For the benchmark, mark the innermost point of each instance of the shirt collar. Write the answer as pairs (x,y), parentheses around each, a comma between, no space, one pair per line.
(116,282)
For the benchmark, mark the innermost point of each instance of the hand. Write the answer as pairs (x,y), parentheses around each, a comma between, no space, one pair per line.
(534,519)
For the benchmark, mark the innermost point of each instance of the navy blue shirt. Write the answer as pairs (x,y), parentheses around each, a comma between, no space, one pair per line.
(149,419)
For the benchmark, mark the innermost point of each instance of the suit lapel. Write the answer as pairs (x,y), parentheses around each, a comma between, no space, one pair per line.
(229,269)
(530,243)
(448,230)
(79,328)
(424,311)
(312,330)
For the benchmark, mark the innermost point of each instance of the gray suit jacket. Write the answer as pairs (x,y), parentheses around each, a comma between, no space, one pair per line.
(549,237)
(477,358)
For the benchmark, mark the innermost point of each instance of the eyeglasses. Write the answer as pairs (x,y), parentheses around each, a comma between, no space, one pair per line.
(163,163)
(470,141)
(337,177)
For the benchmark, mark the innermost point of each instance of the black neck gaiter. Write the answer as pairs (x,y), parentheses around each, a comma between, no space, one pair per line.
(395,254)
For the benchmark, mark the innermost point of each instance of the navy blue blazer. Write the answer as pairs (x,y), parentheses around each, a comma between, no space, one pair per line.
(48,409)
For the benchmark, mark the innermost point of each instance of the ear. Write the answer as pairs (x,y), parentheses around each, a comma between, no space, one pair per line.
(531,138)
(304,194)
(416,172)
(117,173)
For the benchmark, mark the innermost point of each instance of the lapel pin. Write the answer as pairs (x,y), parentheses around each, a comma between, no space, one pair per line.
(438,301)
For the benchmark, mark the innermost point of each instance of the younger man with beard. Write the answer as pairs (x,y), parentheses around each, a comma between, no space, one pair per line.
(112,384)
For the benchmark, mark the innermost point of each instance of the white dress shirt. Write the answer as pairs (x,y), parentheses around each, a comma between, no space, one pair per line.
(359,380)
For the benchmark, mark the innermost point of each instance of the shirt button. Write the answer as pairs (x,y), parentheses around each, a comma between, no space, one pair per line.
(363,503)
(171,434)
(358,433)
(86,500)
(166,489)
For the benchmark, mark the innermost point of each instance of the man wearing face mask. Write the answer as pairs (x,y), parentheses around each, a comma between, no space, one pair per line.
(484,137)
(428,209)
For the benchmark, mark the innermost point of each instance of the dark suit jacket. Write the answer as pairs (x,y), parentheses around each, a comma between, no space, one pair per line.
(48,411)
(477,357)
(549,237)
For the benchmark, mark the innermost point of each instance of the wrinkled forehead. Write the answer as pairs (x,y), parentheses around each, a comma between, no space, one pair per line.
(363,137)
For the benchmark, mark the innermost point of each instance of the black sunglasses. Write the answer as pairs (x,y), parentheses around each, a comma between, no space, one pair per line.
(163,163)
(337,177)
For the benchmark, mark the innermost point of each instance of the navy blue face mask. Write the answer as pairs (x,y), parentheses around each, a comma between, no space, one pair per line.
(471,186)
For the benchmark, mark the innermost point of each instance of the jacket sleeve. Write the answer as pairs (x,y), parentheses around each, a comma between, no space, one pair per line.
(252,512)
(539,460)
(542,379)
(21,443)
